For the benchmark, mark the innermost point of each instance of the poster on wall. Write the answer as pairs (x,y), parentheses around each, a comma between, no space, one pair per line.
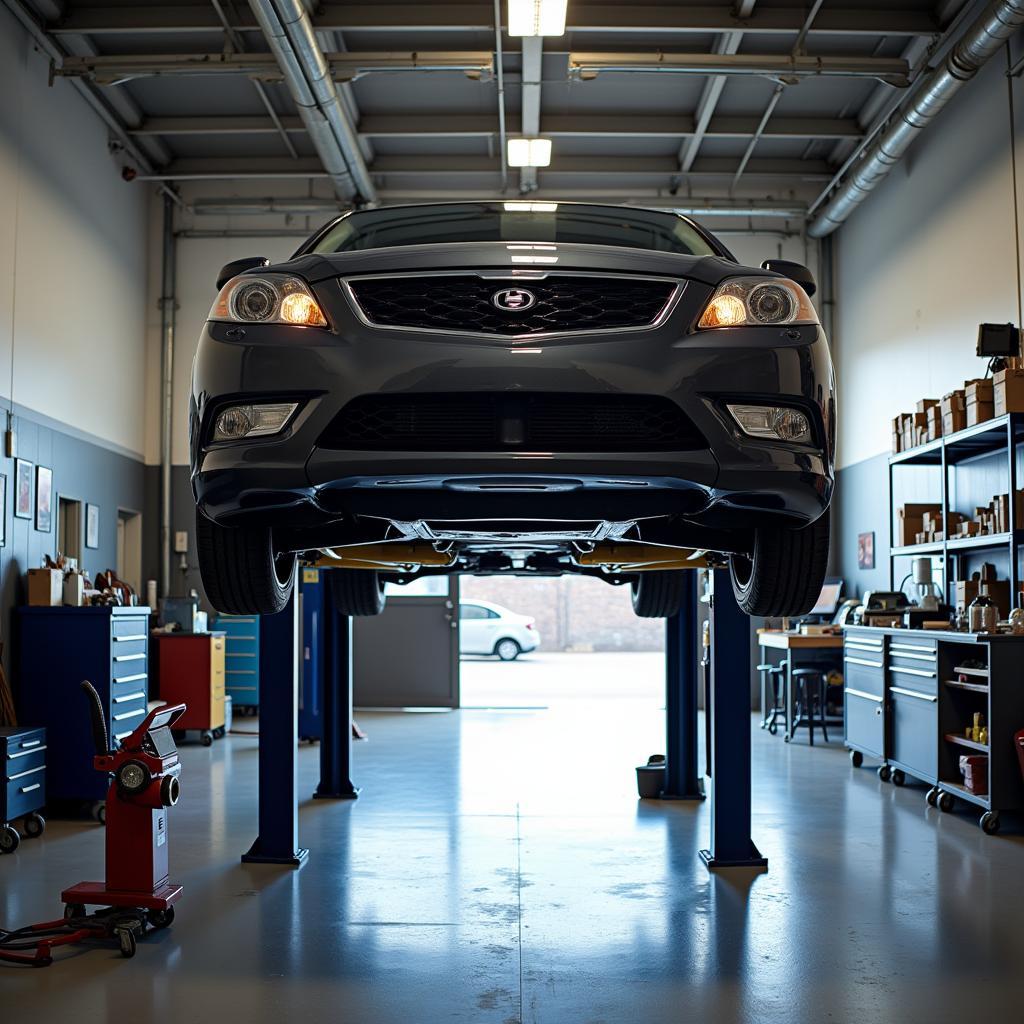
(23,489)
(44,498)
(92,526)
(865,551)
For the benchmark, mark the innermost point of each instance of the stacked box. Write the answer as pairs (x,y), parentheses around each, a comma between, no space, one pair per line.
(910,522)
(954,412)
(974,769)
(934,418)
(1008,392)
(897,435)
(980,401)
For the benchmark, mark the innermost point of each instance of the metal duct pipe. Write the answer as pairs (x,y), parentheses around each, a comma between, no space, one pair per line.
(980,42)
(289,32)
(168,307)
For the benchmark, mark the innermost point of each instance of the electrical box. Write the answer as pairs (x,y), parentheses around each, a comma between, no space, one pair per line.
(181,542)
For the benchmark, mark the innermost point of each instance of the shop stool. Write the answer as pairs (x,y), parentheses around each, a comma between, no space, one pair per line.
(810,684)
(772,677)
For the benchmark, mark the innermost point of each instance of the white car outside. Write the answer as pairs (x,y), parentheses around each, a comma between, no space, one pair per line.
(486,628)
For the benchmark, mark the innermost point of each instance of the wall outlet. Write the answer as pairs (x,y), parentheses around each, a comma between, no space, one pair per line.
(181,542)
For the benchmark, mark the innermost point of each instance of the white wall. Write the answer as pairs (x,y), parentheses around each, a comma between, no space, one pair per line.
(72,256)
(928,257)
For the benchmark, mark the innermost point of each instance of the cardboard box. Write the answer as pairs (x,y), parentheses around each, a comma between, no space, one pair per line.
(934,418)
(980,390)
(45,587)
(974,769)
(910,522)
(979,412)
(954,412)
(74,589)
(927,403)
(897,435)
(1008,391)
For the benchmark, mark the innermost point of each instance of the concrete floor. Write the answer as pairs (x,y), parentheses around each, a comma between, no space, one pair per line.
(498,867)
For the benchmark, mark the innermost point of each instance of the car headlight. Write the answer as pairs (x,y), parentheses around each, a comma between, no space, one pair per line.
(267,299)
(757,302)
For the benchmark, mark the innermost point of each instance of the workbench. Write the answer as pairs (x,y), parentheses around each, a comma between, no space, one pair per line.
(906,704)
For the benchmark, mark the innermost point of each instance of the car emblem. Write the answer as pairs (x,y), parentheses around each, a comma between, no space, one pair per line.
(513,300)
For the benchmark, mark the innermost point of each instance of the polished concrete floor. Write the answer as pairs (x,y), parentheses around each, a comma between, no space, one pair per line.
(498,867)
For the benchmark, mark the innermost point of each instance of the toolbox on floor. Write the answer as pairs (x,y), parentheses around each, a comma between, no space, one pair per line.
(23,751)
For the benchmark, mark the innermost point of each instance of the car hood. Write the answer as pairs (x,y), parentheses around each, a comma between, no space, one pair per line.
(513,257)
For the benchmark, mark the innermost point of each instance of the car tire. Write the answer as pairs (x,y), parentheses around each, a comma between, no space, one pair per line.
(658,595)
(357,591)
(507,649)
(785,573)
(241,573)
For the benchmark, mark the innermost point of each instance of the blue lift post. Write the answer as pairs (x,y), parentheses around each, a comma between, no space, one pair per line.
(278,838)
(731,844)
(336,734)
(682,778)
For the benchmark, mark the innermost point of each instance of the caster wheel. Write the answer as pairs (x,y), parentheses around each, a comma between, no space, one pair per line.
(218,734)
(9,839)
(98,811)
(931,798)
(945,801)
(989,823)
(898,778)
(72,910)
(856,758)
(884,772)
(206,738)
(35,825)
(128,942)
(161,918)
(773,729)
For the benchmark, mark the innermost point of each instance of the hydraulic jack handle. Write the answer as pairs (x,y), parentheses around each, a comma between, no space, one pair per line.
(97,720)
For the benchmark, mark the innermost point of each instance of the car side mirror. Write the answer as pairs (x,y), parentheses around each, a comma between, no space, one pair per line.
(236,267)
(794,271)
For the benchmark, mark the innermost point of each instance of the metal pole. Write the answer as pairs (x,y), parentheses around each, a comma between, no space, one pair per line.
(682,781)
(499,61)
(168,306)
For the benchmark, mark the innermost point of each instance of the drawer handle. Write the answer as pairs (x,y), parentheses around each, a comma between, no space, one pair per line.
(241,671)
(129,657)
(129,714)
(861,693)
(129,679)
(913,693)
(25,753)
(28,771)
(130,636)
(28,789)
(873,648)
(128,696)
(863,661)
(916,657)
(912,647)
(911,671)
(25,744)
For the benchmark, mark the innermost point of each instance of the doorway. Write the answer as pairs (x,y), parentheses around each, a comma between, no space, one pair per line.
(129,548)
(69,528)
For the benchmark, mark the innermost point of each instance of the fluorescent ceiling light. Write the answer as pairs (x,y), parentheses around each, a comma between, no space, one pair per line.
(529,152)
(530,207)
(536,17)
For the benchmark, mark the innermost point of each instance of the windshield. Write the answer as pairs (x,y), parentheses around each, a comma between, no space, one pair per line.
(518,221)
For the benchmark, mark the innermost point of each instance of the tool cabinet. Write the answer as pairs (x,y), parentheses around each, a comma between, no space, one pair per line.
(23,754)
(189,669)
(241,660)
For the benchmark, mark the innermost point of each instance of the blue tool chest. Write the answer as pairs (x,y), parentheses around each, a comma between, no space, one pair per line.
(23,753)
(56,648)
(241,659)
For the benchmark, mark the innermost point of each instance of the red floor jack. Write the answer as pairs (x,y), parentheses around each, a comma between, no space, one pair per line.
(144,783)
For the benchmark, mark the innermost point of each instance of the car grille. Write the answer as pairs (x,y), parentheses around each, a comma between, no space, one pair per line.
(485,422)
(462,303)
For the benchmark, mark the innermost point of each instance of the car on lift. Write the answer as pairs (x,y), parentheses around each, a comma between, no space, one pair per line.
(520,387)
(490,629)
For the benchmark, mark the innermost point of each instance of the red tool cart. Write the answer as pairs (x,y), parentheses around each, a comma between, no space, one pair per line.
(190,670)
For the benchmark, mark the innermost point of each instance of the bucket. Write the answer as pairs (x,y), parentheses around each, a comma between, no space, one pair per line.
(650,780)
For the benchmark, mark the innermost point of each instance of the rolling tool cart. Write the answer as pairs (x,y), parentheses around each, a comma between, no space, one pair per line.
(24,792)
(142,777)
(241,661)
(189,669)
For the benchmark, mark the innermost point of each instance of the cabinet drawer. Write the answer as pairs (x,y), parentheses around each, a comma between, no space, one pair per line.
(919,678)
(25,794)
(865,674)
(126,651)
(122,626)
(130,680)
(26,739)
(864,722)
(127,716)
(18,761)
(915,735)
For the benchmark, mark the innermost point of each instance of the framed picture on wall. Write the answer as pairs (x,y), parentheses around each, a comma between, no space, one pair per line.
(865,551)
(3,509)
(44,499)
(92,526)
(23,489)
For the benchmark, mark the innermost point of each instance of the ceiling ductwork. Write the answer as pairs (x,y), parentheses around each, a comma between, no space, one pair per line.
(290,34)
(981,41)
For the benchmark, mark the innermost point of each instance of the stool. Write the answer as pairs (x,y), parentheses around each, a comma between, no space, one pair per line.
(810,684)
(771,677)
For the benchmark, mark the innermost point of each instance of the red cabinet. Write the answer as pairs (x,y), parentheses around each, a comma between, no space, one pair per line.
(190,670)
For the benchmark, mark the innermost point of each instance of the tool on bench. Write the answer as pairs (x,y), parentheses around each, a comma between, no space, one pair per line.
(144,773)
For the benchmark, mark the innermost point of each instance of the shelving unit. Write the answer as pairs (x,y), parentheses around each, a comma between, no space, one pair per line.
(981,441)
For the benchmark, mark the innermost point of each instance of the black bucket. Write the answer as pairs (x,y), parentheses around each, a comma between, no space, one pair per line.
(650,780)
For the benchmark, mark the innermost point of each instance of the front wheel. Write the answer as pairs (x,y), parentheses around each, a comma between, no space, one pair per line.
(357,591)
(241,572)
(658,594)
(507,649)
(784,574)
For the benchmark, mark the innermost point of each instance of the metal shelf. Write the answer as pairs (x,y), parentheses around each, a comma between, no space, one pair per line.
(963,741)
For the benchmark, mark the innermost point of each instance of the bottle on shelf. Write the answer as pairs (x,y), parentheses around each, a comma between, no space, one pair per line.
(984,615)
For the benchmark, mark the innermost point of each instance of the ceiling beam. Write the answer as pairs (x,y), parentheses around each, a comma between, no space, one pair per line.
(478,17)
(440,125)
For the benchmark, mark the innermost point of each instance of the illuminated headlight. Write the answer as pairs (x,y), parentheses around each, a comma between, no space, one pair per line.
(757,302)
(267,299)
(243,421)
(772,422)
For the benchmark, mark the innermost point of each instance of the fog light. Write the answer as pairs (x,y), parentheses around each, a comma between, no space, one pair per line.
(241,421)
(772,422)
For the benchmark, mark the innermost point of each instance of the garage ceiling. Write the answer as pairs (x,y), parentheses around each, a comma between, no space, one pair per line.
(633,132)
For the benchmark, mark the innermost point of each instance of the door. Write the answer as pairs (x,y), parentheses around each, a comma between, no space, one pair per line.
(408,657)
(129,548)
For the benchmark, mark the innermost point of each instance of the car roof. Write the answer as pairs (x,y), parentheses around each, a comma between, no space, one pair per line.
(488,604)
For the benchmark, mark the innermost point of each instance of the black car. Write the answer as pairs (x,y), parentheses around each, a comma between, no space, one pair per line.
(513,387)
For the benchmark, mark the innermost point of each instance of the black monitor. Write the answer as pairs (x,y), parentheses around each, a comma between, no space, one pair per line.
(828,600)
(998,340)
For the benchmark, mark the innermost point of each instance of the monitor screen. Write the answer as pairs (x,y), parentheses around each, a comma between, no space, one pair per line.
(828,599)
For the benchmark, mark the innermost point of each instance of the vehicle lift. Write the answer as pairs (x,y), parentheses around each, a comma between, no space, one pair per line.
(730,843)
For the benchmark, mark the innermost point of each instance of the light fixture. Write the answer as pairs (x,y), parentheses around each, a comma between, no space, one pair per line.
(536,17)
(242,421)
(529,152)
(520,207)
(772,422)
